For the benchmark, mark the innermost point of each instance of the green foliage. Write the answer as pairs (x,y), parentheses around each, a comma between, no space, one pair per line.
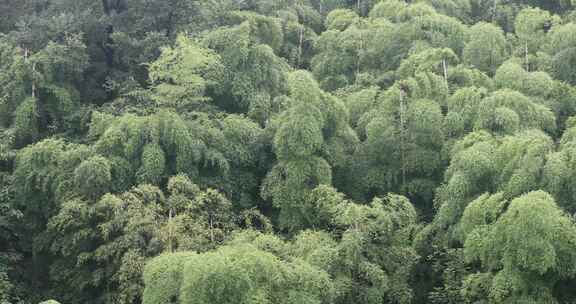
(181,75)
(462,77)
(388,9)
(294,151)
(483,211)
(359,103)
(388,222)
(463,109)
(532,242)
(44,173)
(506,111)
(511,75)
(110,240)
(12,79)
(305,145)
(461,9)
(439,30)
(403,140)
(531,27)
(482,163)
(37,87)
(358,47)
(340,19)
(427,60)
(300,23)
(26,121)
(153,164)
(163,278)
(250,67)
(287,185)
(560,47)
(452,270)
(247,275)
(338,56)
(301,135)
(486,48)
(559,170)
(93,176)
(149,144)
(5,287)
(263,29)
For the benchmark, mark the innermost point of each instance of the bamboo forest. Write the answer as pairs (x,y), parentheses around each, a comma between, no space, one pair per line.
(288,151)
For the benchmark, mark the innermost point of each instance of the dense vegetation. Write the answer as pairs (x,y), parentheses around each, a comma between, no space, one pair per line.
(288,151)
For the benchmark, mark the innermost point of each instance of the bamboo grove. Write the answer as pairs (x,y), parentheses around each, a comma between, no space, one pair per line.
(288,151)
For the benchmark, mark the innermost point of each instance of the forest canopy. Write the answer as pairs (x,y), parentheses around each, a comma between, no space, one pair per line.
(288,151)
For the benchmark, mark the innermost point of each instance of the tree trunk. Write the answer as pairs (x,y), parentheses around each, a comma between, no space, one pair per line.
(300,43)
(170,26)
(445,69)
(359,57)
(33,86)
(494,10)
(106,7)
(402,137)
(33,81)
(211,230)
(526,55)
(170,245)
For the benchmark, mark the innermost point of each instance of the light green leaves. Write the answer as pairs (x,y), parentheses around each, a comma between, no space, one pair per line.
(558,173)
(26,120)
(532,26)
(531,242)
(153,164)
(253,74)
(506,111)
(486,49)
(388,9)
(163,278)
(307,143)
(301,135)
(511,75)
(181,75)
(244,274)
(429,60)
(93,176)
(340,19)
(158,145)
(561,47)
(483,211)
